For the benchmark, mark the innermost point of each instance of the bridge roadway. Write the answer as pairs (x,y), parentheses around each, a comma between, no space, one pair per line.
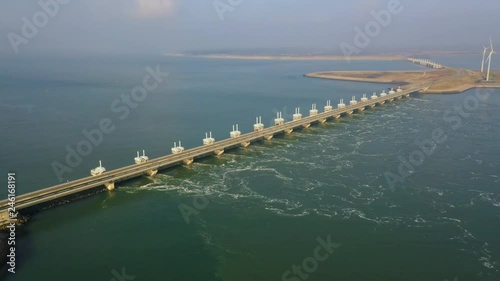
(132,171)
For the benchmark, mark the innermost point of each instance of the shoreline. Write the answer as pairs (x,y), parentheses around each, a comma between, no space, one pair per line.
(459,85)
(317,75)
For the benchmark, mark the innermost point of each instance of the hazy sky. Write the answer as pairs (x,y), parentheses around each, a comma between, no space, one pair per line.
(154,26)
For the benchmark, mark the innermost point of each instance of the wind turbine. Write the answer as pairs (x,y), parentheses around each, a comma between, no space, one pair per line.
(489,60)
(484,56)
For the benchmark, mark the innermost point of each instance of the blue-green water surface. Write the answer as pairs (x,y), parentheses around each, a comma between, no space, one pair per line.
(258,211)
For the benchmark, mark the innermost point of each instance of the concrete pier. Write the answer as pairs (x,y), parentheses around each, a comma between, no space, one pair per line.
(4,215)
(235,133)
(110,185)
(139,160)
(208,140)
(101,178)
(279,121)
(314,111)
(177,149)
(258,126)
(219,152)
(328,108)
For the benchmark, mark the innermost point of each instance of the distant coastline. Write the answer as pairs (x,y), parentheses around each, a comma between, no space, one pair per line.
(290,57)
(450,80)
(461,80)
(312,56)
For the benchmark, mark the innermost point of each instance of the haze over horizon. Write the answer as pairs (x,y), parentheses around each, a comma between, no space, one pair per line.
(250,140)
(155,26)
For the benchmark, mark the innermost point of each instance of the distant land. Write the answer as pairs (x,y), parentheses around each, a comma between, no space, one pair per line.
(308,56)
(289,57)
(446,80)
(449,80)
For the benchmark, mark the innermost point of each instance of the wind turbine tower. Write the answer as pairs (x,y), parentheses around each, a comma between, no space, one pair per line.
(489,60)
(484,56)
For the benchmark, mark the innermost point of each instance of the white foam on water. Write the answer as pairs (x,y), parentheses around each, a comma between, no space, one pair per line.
(419,219)
(209,240)
(465,237)
(486,258)
(326,213)
(348,213)
(434,190)
(343,199)
(284,213)
(451,219)
(419,100)
(363,216)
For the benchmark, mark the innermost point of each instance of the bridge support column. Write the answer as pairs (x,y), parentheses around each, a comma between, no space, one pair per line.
(4,216)
(288,131)
(322,121)
(381,102)
(188,161)
(268,137)
(399,97)
(4,219)
(219,152)
(361,108)
(245,144)
(337,116)
(152,173)
(279,121)
(407,95)
(350,112)
(305,126)
(110,186)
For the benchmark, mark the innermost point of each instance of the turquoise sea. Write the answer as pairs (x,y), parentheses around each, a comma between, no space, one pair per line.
(256,213)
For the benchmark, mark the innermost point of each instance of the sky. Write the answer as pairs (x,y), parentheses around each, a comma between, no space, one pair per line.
(156,26)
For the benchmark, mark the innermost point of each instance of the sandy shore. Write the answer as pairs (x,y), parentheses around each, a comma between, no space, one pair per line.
(337,58)
(462,88)
(451,80)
